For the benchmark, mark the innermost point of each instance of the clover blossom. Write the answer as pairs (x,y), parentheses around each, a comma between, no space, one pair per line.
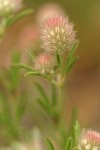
(89,140)
(57,34)
(9,6)
(45,63)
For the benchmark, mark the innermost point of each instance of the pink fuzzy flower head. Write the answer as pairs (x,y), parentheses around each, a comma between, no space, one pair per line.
(45,63)
(89,140)
(57,34)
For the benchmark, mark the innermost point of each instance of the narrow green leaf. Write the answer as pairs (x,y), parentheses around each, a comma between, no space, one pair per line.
(22,105)
(45,100)
(8,20)
(77,131)
(49,144)
(74,60)
(54,99)
(73,121)
(42,92)
(14,73)
(14,19)
(24,66)
(31,73)
(58,59)
(77,127)
(44,106)
(69,144)
(15,57)
(71,53)
(5,109)
(7,117)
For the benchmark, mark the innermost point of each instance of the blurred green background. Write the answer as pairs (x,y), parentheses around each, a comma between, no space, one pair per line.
(83,85)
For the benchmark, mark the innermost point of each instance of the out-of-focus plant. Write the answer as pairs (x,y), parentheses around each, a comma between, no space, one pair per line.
(34,142)
(13,101)
(10,12)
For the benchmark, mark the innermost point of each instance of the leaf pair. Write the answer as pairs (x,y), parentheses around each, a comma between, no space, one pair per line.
(31,71)
(71,59)
(44,100)
(48,104)
(72,142)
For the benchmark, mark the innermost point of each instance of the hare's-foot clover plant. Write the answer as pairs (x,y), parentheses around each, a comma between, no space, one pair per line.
(10,12)
(58,38)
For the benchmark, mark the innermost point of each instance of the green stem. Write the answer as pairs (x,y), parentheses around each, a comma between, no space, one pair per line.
(59,82)
(60,100)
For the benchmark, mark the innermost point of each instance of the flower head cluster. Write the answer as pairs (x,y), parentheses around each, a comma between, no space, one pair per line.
(89,140)
(45,63)
(57,34)
(8,6)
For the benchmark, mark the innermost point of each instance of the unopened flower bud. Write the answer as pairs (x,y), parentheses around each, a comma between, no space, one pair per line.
(45,63)
(57,34)
(89,140)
